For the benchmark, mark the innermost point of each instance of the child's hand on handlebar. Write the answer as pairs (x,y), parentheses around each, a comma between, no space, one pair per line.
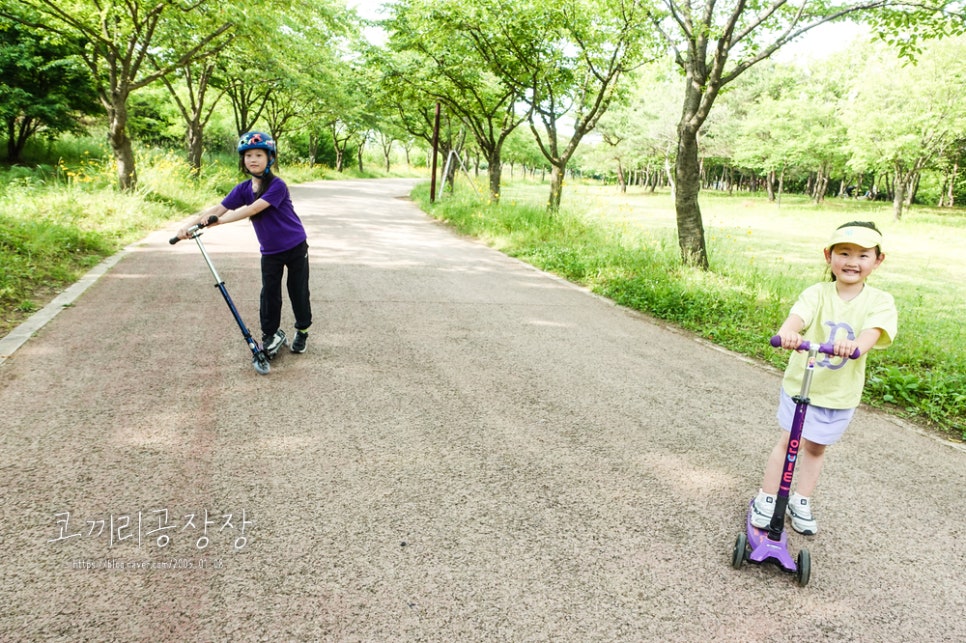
(790,340)
(846,348)
(202,222)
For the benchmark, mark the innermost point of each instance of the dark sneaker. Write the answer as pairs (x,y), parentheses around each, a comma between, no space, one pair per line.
(301,337)
(762,510)
(800,510)
(271,345)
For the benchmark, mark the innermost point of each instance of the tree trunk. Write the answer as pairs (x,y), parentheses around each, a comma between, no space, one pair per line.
(913,189)
(668,173)
(899,196)
(621,181)
(687,185)
(495,172)
(770,186)
(195,136)
(17,135)
(556,188)
(120,142)
(781,186)
(821,186)
(313,148)
(950,196)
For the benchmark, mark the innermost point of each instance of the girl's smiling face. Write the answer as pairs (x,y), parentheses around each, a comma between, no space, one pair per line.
(256,161)
(852,264)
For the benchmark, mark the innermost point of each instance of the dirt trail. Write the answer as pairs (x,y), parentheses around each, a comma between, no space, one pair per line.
(470,450)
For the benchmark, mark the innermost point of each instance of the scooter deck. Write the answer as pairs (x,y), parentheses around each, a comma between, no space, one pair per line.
(764,548)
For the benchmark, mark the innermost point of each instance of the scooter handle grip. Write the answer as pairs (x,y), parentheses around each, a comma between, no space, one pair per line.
(828,349)
(211,219)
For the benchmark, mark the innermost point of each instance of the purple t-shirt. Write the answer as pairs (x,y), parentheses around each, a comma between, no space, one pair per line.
(277,227)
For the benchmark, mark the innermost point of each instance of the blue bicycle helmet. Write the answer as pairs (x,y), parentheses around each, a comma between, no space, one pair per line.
(258,141)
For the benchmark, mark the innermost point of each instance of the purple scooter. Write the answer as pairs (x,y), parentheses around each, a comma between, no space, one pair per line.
(761,545)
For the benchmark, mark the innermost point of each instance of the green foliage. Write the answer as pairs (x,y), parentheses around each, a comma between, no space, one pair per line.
(44,86)
(59,219)
(632,258)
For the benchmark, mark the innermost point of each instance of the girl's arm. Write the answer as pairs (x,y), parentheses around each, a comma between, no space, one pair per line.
(243,212)
(200,218)
(790,332)
(864,342)
(224,215)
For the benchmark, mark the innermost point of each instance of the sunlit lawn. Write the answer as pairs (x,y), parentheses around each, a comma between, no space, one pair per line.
(925,266)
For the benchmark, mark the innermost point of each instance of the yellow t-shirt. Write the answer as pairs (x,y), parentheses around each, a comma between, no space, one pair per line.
(837,383)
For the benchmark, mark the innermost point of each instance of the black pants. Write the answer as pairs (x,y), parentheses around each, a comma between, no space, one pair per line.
(296,261)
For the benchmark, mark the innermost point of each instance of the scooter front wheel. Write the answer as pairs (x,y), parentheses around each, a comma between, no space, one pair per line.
(804,570)
(260,362)
(740,552)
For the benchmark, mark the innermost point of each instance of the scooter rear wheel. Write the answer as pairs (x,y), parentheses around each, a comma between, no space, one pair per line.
(740,552)
(804,570)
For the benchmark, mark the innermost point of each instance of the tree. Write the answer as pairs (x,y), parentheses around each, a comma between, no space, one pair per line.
(573,54)
(792,120)
(118,38)
(44,86)
(713,45)
(195,107)
(446,51)
(904,118)
(640,128)
(247,93)
(411,109)
(521,149)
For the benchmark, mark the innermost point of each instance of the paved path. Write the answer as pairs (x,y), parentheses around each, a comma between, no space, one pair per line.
(470,450)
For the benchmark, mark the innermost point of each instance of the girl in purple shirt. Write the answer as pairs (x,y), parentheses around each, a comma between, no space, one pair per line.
(265,200)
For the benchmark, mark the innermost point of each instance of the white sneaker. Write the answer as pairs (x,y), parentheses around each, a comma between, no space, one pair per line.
(271,345)
(762,509)
(800,510)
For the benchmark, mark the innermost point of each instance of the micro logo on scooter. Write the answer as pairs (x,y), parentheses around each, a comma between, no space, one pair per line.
(792,455)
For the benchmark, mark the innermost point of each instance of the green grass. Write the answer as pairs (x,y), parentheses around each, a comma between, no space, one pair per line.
(624,247)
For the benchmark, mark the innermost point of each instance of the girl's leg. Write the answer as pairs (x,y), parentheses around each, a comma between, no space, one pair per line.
(811,457)
(773,467)
(809,467)
(298,286)
(270,307)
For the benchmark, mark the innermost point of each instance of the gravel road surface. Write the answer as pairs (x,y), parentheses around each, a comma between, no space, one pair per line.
(470,450)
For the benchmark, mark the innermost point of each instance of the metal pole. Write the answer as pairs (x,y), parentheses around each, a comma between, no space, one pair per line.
(432,182)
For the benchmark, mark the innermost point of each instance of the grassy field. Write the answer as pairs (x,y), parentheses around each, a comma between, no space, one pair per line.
(624,247)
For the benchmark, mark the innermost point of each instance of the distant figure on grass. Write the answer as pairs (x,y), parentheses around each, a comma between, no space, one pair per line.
(265,200)
(852,315)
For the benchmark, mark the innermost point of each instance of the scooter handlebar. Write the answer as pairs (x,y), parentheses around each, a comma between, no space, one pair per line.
(212,219)
(828,348)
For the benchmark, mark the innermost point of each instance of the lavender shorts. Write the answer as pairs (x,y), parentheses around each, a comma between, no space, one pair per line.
(822,425)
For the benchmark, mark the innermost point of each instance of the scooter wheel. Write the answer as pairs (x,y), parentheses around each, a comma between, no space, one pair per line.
(740,552)
(804,567)
(261,364)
